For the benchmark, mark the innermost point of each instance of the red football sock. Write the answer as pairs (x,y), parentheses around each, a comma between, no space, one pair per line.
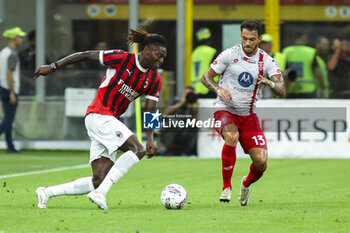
(228,158)
(253,176)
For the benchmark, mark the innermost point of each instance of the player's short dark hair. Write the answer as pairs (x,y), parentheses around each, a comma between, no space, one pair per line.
(144,38)
(252,25)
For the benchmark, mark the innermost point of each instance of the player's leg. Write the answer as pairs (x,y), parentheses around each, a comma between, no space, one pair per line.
(257,168)
(100,161)
(134,153)
(111,134)
(128,159)
(76,187)
(253,142)
(228,159)
(229,132)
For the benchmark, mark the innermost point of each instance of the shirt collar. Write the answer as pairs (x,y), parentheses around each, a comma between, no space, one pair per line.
(138,64)
(245,57)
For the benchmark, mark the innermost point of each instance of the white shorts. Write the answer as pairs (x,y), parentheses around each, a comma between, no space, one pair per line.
(107,134)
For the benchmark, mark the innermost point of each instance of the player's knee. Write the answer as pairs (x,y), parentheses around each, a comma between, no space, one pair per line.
(138,150)
(261,163)
(231,139)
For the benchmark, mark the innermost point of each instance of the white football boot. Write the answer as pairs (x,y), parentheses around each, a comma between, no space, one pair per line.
(225,195)
(43,197)
(245,193)
(99,199)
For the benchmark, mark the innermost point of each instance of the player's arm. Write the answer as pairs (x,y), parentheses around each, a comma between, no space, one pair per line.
(71,59)
(209,82)
(151,147)
(276,84)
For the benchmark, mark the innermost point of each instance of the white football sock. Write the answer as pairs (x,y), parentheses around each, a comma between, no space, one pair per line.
(79,186)
(118,170)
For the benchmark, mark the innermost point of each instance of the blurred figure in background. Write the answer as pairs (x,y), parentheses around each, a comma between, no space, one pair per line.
(322,52)
(302,59)
(27,57)
(177,141)
(93,72)
(289,75)
(10,82)
(339,69)
(202,56)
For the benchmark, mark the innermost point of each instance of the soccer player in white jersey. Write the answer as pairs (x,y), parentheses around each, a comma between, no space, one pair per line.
(244,70)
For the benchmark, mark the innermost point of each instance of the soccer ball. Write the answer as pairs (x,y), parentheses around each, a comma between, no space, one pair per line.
(174,196)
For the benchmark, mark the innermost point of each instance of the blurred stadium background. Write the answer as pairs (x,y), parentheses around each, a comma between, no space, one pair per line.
(50,111)
(296,195)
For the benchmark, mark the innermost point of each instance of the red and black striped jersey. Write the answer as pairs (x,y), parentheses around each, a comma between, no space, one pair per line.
(125,80)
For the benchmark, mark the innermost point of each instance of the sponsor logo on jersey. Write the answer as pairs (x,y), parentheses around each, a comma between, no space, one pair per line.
(245,79)
(127,91)
(129,72)
(215,62)
(235,61)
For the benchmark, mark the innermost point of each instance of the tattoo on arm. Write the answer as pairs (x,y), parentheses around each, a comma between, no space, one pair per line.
(79,57)
(279,88)
(208,80)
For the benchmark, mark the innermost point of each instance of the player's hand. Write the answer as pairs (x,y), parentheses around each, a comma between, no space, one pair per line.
(224,94)
(264,81)
(151,148)
(42,70)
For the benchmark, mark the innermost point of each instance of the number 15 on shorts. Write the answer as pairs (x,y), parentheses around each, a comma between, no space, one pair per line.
(259,140)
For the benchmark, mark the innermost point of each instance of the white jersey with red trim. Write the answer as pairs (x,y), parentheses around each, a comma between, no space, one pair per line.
(238,74)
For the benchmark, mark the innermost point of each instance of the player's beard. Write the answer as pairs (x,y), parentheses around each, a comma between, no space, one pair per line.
(251,50)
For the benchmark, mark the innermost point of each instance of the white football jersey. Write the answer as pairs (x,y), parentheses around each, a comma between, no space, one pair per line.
(238,74)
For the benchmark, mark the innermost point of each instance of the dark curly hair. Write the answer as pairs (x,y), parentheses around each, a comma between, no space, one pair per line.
(252,25)
(144,38)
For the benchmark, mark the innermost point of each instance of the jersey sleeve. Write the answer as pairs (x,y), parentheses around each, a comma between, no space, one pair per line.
(112,57)
(271,67)
(12,61)
(153,91)
(220,64)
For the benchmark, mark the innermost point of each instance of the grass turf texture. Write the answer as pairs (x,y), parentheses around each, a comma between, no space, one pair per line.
(295,195)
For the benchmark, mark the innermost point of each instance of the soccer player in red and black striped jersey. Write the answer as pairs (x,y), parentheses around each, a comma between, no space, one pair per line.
(128,76)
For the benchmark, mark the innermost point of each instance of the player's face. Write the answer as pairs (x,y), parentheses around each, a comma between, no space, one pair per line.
(250,41)
(155,56)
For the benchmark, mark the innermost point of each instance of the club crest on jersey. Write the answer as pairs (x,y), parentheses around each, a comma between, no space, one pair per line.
(119,134)
(245,79)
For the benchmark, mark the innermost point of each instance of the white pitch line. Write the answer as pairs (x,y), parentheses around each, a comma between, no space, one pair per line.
(44,171)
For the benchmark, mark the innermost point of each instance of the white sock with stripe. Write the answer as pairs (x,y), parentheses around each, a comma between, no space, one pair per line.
(79,186)
(118,170)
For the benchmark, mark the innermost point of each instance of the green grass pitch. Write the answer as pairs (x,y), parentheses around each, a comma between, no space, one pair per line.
(294,195)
